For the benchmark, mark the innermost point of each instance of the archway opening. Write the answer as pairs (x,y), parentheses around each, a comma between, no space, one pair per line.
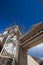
(36,53)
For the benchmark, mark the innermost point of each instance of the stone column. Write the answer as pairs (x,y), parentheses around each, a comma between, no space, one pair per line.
(22,57)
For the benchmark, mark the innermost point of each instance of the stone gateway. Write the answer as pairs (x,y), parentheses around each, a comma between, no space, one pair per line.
(14,45)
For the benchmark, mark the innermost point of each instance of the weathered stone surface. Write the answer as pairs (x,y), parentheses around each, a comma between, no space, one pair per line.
(5,61)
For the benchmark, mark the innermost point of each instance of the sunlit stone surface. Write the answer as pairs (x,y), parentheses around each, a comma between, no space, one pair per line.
(1,39)
(5,32)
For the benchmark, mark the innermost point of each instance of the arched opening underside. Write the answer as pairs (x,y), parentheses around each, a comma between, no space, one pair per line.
(32,38)
(37,39)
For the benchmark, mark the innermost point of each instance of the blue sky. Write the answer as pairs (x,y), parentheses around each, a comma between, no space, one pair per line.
(21,12)
(36,51)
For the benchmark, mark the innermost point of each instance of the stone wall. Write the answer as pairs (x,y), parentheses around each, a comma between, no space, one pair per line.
(31,61)
(4,60)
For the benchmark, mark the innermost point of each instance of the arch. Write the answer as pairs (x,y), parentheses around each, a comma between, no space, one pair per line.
(31,39)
